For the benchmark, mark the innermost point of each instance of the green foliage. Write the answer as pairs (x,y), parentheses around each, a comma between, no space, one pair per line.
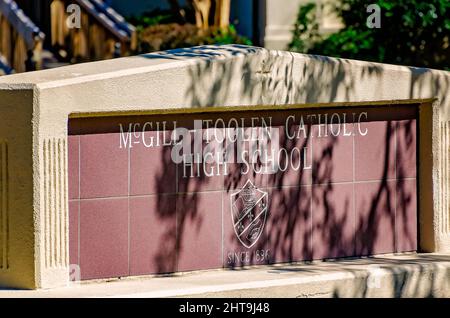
(146,21)
(306,31)
(164,30)
(412,32)
(227,36)
(174,35)
(152,18)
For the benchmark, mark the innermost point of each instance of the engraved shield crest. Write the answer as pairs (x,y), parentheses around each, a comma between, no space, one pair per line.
(249,213)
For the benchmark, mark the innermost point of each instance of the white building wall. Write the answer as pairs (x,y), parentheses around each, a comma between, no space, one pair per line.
(281,16)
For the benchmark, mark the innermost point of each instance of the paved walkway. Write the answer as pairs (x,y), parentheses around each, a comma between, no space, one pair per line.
(410,275)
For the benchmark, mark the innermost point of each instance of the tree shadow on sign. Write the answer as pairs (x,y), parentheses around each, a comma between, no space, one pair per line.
(203,52)
(256,77)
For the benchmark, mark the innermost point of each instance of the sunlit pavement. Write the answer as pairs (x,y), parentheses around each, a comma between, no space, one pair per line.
(407,275)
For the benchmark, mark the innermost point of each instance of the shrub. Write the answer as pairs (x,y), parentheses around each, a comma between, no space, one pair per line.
(412,32)
(170,36)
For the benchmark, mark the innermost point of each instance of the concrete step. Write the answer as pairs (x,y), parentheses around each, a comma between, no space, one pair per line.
(406,275)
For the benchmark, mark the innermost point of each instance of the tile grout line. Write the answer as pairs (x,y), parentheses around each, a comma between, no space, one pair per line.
(396,127)
(222,221)
(311,200)
(176,216)
(215,191)
(128,206)
(353,188)
(79,202)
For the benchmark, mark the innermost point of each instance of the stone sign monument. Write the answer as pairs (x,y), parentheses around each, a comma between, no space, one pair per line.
(218,157)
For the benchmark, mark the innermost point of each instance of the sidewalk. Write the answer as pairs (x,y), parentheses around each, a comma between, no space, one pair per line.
(410,275)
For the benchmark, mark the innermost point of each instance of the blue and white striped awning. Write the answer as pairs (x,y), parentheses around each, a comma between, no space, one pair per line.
(20,22)
(108,17)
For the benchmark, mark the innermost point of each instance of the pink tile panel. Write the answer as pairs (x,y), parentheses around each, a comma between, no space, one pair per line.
(375,156)
(332,155)
(151,168)
(104,238)
(295,162)
(333,221)
(199,231)
(406,215)
(289,224)
(133,222)
(205,174)
(103,166)
(153,234)
(74,166)
(406,148)
(375,217)
(73,231)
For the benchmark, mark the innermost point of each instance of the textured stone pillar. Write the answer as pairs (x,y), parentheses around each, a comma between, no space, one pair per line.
(443,212)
